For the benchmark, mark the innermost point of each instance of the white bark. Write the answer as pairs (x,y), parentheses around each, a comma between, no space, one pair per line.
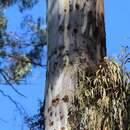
(76,38)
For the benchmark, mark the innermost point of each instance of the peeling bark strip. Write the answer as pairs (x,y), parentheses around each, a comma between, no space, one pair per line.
(101,25)
(76,38)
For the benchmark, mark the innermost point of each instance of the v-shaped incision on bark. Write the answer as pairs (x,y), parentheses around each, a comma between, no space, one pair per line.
(76,39)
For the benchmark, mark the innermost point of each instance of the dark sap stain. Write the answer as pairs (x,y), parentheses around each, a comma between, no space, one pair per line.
(69,26)
(49,109)
(61,28)
(65,98)
(62,128)
(75,30)
(51,113)
(51,123)
(77,6)
(61,116)
(55,101)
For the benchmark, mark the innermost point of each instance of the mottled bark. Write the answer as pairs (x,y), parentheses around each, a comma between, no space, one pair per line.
(76,39)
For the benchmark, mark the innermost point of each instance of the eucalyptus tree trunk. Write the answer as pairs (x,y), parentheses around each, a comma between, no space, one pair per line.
(76,39)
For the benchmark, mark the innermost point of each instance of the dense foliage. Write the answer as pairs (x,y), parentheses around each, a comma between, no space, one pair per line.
(23,4)
(19,52)
(102,98)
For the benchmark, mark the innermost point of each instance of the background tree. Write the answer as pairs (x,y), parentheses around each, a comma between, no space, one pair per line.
(19,54)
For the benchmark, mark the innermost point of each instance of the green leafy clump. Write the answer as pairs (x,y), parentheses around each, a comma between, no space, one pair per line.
(3,22)
(21,67)
(101,99)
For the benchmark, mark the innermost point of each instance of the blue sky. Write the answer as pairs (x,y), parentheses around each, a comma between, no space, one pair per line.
(117,17)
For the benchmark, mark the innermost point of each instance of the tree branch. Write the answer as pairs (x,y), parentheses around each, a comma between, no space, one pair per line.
(27,61)
(17,105)
(3,73)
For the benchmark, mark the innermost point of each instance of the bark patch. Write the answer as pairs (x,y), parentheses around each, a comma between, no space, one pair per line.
(55,101)
(65,98)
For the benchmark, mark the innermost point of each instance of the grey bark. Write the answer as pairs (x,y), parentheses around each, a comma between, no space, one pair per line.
(76,39)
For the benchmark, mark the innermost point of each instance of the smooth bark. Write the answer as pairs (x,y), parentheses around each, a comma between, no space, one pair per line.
(76,39)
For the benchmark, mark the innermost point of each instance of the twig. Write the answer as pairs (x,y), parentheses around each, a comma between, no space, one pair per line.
(3,73)
(17,105)
(27,61)
(4,121)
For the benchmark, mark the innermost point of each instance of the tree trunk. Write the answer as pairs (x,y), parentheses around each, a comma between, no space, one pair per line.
(76,39)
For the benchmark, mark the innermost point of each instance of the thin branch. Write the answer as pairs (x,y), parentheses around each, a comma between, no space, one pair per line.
(38,64)
(27,61)
(4,121)
(3,73)
(17,105)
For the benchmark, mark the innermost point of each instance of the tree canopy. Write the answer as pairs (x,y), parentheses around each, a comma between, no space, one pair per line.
(20,52)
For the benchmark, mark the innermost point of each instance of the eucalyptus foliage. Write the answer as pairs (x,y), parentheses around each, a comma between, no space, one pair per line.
(102,98)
